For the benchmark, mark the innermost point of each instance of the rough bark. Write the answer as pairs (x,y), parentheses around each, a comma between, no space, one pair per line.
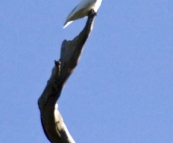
(51,119)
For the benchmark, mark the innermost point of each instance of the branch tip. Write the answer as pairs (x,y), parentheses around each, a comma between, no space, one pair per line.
(92,13)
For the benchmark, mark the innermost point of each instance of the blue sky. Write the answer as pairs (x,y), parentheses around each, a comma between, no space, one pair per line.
(122,88)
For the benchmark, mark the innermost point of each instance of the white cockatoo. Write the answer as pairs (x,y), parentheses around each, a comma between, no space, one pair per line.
(82,9)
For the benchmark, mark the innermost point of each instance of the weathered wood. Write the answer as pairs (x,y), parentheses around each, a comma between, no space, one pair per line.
(52,121)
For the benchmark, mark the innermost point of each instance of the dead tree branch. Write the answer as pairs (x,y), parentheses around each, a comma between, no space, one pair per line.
(52,121)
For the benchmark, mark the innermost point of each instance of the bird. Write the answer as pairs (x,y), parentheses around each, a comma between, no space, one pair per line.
(81,10)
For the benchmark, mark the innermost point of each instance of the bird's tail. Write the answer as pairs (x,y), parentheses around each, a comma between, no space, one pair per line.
(67,23)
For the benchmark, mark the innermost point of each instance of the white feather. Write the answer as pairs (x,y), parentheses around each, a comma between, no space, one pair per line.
(81,10)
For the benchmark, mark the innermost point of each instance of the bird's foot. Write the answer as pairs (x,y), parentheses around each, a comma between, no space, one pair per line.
(92,13)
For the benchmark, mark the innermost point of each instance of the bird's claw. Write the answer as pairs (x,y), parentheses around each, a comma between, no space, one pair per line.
(92,13)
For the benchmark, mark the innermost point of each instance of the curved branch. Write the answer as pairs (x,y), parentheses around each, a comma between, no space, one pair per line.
(52,121)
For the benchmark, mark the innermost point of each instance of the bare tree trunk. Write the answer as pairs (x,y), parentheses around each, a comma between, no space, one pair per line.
(52,121)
